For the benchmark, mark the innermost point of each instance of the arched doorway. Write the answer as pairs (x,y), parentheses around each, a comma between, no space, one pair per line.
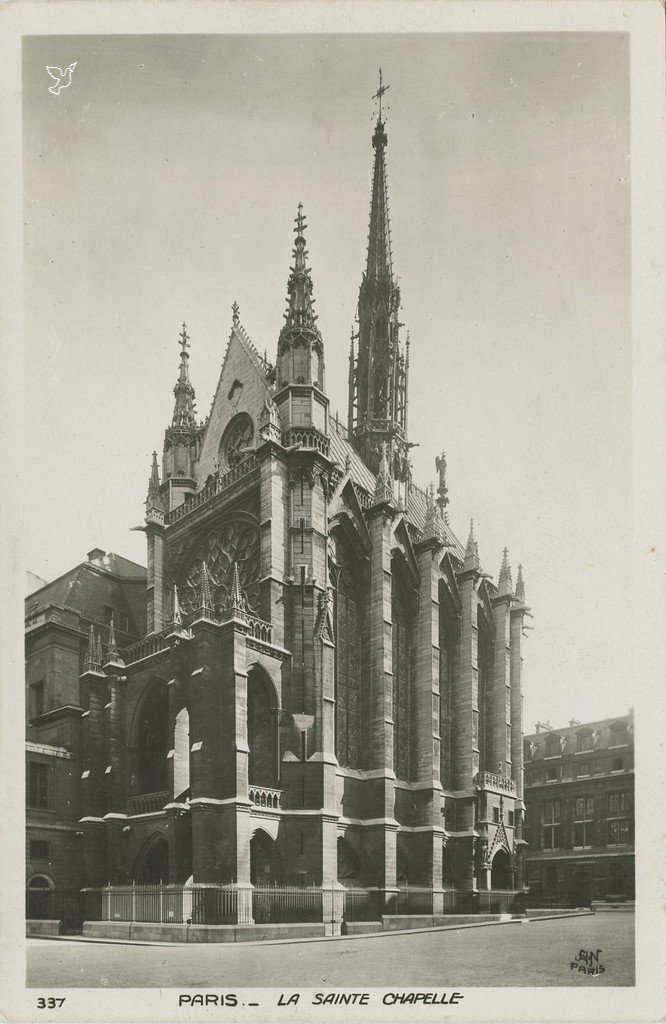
(152,864)
(262,734)
(39,898)
(500,871)
(151,741)
(265,862)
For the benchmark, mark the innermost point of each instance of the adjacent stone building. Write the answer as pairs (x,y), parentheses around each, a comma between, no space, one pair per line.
(579,796)
(315,681)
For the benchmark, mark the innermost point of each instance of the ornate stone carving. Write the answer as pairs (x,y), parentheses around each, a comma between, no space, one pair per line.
(235,541)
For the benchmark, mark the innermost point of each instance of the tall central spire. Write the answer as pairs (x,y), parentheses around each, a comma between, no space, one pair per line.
(379,372)
(380,261)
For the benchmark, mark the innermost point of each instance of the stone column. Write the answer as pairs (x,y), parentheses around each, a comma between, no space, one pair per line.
(499,756)
(380,640)
(155,580)
(518,612)
(465,687)
(425,700)
(220,805)
(274,499)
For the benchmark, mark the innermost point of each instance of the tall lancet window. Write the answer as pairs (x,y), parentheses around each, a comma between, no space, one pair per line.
(347,610)
(402,628)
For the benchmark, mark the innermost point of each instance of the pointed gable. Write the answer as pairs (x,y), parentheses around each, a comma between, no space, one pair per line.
(242,390)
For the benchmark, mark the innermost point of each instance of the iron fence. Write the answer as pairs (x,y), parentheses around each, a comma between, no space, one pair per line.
(499,902)
(363,904)
(288,903)
(413,900)
(198,903)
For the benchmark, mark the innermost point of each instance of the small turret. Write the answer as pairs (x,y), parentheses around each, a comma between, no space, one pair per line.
(433,526)
(91,662)
(520,586)
(237,604)
(205,609)
(504,583)
(113,658)
(300,346)
(182,439)
(472,550)
(154,498)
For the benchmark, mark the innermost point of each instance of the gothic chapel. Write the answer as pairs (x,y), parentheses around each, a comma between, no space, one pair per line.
(328,685)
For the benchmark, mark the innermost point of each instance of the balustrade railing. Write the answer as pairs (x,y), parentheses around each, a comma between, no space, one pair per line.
(260,630)
(151,644)
(217,485)
(262,796)
(500,783)
(147,803)
(307,437)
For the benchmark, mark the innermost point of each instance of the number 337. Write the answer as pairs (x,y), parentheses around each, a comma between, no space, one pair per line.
(50,1003)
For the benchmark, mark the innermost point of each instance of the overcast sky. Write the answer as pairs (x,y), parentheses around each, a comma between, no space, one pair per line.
(162,185)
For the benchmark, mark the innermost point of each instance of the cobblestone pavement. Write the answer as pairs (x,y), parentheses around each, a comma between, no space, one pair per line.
(534,954)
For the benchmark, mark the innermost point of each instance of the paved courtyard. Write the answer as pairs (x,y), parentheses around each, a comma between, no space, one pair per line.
(534,954)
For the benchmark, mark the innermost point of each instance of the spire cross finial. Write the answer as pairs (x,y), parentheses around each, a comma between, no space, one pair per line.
(299,221)
(235,312)
(380,92)
(184,340)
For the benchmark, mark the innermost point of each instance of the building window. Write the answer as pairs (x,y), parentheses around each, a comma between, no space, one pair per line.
(38,790)
(347,668)
(618,822)
(584,741)
(553,748)
(618,734)
(551,829)
(496,815)
(36,699)
(553,774)
(401,684)
(512,818)
(584,770)
(583,819)
(475,729)
(617,764)
(39,849)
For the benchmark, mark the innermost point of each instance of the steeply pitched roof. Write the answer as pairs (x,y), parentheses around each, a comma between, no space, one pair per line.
(91,587)
(341,448)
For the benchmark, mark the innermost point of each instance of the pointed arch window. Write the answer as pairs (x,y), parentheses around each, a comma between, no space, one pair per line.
(402,657)
(347,664)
